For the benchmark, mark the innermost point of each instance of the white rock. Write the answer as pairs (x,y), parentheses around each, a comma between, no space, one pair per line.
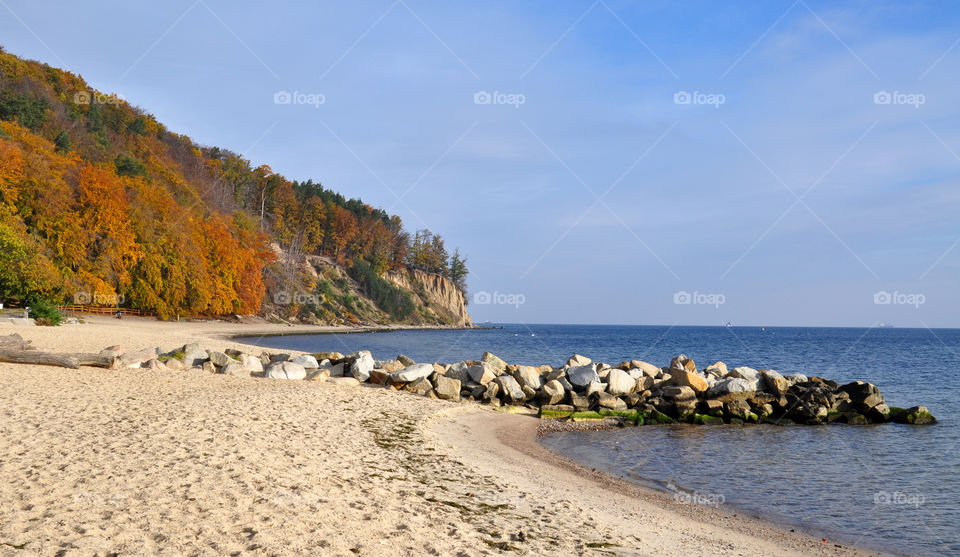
(412,373)
(344,381)
(286,370)
(251,363)
(649,370)
(619,383)
(307,361)
(578,360)
(361,367)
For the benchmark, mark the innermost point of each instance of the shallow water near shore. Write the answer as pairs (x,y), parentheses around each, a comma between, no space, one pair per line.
(886,486)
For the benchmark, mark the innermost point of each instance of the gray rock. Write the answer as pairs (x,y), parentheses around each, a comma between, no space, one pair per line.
(447,388)
(528,376)
(775,382)
(679,392)
(497,365)
(481,373)
(732,388)
(407,362)
(578,401)
(459,372)
(493,389)
(362,366)
(512,393)
(219,359)
(412,373)
(607,400)
(194,358)
(577,360)
(552,392)
(421,386)
(307,361)
(619,383)
(135,359)
(174,364)
(154,364)
(744,372)
(581,376)
(209,367)
(235,369)
(595,387)
(285,370)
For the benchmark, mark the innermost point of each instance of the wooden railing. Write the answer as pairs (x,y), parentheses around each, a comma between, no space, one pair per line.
(96,310)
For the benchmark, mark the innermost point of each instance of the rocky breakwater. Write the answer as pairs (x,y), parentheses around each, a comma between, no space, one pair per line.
(631,392)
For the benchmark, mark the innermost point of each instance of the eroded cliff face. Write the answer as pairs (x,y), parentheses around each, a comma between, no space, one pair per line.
(436,294)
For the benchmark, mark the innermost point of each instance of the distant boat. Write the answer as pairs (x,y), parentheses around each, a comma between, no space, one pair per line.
(729,324)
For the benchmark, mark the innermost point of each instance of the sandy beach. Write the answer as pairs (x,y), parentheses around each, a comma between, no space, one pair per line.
(134,462)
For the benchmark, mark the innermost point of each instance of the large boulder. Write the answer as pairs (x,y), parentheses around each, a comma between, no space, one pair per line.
(731,388)
(412,373)
(619,383)
(578,360)
(529,376)
(251,363)
(510,390)
(285,370)
(219,359)
(406,361)
(481,373)
(447,388)
(307,361)
(552,392)
(610,402)
(677,392)
(776,383)
(362,366)
(194,357)
(497,365)
(235,369)
(459,371)
(647,369)
(718,369)
(687,378)
(581,376)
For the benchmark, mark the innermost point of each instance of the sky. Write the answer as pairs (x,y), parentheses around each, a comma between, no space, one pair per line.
(787,162)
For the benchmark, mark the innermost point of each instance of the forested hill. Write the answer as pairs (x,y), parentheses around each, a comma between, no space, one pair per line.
(98,198)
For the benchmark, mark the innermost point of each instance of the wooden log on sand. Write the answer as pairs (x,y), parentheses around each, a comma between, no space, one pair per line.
(15,350)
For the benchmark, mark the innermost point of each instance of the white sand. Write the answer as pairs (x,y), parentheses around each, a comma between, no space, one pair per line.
(95,461)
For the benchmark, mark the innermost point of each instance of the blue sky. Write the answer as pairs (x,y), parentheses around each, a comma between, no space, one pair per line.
(787,192)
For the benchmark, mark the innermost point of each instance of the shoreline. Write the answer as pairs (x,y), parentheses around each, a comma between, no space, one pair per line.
(513,438)
(464,455)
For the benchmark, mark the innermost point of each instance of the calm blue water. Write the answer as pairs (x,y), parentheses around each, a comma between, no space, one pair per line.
(892,487)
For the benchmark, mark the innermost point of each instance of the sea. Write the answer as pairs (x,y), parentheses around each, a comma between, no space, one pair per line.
(890,488)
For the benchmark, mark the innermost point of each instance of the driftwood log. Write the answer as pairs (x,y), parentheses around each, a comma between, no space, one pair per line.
(72,361)
(15,350)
